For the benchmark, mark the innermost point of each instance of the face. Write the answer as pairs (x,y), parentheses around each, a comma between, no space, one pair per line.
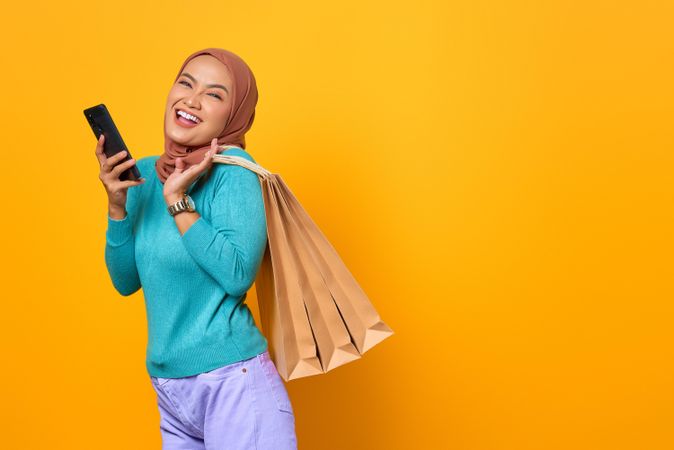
(203,90)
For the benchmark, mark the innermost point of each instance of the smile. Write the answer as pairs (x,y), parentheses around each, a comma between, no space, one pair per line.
(186,119)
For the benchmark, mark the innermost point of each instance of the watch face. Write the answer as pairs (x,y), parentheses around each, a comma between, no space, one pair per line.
(190,202)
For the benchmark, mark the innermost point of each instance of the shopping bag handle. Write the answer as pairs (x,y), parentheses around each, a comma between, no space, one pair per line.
(240,161)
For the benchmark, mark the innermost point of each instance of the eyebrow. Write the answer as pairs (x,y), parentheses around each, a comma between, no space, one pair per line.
(208,86)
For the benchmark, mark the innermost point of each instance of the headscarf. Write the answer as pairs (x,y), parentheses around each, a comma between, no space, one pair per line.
(240,119)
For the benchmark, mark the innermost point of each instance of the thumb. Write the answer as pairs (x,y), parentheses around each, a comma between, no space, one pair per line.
(180,165)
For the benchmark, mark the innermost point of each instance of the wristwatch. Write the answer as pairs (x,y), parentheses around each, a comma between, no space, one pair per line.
(184,204)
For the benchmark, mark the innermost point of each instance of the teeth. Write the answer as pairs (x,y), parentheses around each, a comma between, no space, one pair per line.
(189,116)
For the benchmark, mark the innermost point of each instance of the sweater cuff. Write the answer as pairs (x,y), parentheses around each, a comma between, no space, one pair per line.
(197,235)
(119,231)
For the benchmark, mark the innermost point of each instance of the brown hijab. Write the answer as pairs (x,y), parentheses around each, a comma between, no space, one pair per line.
(240,119)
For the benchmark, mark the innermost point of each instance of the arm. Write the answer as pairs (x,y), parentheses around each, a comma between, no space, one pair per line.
(120,253)
(230,247)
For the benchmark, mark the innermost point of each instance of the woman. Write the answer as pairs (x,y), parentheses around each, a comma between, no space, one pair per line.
(192,234)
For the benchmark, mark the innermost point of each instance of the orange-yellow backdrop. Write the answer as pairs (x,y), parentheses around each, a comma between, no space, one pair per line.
(496,174)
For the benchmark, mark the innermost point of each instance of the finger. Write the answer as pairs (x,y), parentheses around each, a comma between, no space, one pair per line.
(180,165)
(118,156)
(208,159)
(121,167)
(200,167)
(112,161)
(208,156)
(130,183)
(192,171)
(100,154)
(215,148)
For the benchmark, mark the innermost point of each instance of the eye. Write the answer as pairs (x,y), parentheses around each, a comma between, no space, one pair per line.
(188,84)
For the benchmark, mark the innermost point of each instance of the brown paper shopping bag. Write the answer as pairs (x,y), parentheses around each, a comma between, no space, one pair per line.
(331,335)
(312,311)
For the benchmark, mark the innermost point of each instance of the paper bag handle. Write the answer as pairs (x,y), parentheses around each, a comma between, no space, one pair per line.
(240,161)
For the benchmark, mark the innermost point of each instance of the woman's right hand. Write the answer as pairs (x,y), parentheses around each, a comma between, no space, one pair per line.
(109,176)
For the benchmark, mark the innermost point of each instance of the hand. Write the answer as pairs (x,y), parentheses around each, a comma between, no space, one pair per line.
(109,175)
(177,183)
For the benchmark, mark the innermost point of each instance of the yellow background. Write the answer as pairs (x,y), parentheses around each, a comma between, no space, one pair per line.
(496,174)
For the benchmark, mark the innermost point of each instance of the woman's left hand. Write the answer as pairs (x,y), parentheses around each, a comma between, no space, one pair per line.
(177,183)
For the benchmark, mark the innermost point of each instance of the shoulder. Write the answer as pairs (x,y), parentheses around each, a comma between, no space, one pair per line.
(146,167)
(146,163)
(223,169)
(237,151)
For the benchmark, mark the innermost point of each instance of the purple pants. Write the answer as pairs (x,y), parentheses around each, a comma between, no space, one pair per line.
(239,406)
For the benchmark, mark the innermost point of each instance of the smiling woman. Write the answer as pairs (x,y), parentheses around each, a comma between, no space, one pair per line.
(211,85)
(196,261)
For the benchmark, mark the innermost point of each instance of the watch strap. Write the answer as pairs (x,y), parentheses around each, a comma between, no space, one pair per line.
(179,206)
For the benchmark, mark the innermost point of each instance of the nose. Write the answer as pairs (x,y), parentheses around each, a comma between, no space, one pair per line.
(191,100)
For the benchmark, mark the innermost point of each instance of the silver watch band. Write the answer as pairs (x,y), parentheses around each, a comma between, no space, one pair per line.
(178,207)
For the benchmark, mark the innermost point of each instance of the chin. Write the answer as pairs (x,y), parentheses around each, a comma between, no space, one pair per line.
(196,137)
(178,138)
(191,141)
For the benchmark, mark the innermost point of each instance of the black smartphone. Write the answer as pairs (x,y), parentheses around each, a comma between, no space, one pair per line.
(101,123)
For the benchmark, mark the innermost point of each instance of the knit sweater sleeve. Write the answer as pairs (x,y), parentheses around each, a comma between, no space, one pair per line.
(230,246)
(120,252)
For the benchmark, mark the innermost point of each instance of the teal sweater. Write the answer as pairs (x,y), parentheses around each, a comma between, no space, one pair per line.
(195,284)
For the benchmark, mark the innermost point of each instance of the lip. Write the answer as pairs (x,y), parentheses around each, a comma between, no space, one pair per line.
(185,125)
